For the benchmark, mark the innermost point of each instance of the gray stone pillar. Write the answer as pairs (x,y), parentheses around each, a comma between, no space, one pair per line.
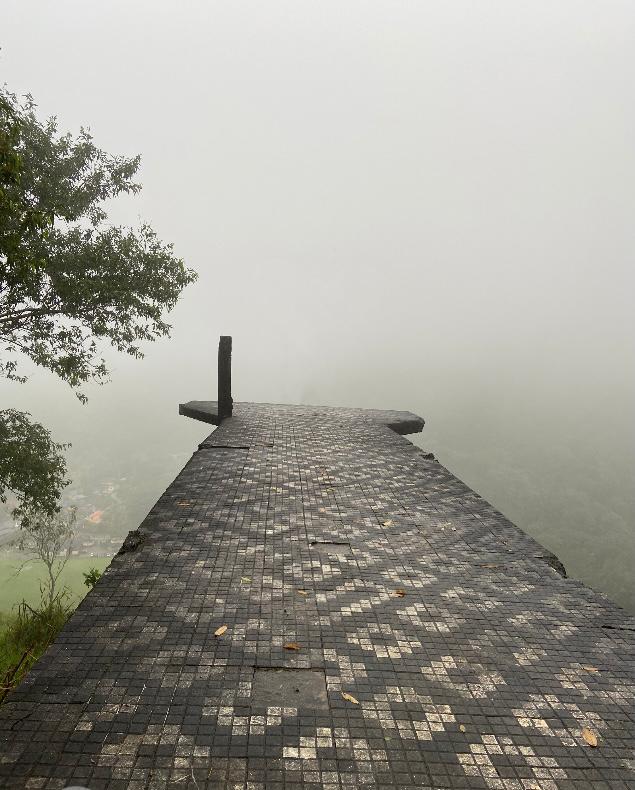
(225,402)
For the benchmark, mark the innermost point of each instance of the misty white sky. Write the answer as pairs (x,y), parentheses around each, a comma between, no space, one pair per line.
(423,205)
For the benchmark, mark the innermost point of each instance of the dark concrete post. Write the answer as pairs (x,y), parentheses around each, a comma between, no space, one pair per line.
(225,402)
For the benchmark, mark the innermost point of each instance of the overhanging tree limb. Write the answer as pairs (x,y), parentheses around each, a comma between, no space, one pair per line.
(70,283)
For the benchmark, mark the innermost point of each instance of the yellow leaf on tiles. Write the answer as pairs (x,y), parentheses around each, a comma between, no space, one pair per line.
(590,737)
(462,727)
(245,579)
(400,593)
(388,523)
(590,669)
(220,631)
(350,698)
(291,646)
(302,592)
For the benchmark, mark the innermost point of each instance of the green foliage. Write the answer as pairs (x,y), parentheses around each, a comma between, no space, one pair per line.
(69,281)
(69,278)
(31,463)
(26,635)
(92,577)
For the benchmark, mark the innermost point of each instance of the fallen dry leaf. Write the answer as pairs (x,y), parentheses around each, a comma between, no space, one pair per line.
(489,565)
(220,631)
(589,736)
(244,579)
(350,698)
(388,523)
(291,646)
(302,592)
(590,669)
(462,727)
(400,593)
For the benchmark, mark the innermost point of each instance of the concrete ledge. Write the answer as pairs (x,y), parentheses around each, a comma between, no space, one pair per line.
(202,410)
(401,422)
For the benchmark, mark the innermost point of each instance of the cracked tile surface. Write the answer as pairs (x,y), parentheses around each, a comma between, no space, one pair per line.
(452,651)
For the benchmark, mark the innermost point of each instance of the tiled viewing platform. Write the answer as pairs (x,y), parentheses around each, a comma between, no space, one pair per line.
(317,603)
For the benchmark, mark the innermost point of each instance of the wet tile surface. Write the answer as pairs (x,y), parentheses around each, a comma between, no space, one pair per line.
(451,653)
(290,688)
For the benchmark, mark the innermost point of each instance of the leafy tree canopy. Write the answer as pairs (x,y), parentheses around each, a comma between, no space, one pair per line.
(69,281)
(31,464)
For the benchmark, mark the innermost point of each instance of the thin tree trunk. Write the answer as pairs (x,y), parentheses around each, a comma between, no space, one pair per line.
(51,585)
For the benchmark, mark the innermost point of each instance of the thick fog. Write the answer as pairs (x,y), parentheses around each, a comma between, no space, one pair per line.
(414,205)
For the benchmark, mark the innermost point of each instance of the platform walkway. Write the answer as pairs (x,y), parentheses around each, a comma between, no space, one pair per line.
(317,603)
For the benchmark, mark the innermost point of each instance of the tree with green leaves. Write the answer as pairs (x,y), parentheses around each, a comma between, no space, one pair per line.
(70,283)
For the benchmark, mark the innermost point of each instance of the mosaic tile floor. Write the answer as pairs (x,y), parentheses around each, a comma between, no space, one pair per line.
(317,603)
